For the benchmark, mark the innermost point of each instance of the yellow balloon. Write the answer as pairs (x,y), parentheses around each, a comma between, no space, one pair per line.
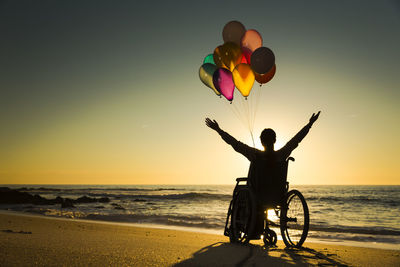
(243,77)
(206,73)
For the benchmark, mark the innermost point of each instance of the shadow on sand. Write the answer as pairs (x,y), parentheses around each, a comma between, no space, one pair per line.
(227,254)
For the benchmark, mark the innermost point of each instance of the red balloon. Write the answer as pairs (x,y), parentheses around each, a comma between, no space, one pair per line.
(264,78)
(246,55)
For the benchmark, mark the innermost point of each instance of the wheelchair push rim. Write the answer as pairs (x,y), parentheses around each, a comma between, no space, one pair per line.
(294,219)
(243,217)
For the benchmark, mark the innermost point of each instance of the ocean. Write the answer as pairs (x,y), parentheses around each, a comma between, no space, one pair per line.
(358,215)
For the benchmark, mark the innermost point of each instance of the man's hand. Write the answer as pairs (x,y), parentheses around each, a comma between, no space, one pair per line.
(212,124)
(314,117)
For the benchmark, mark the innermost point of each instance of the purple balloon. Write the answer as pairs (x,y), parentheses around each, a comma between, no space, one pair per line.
(223,81)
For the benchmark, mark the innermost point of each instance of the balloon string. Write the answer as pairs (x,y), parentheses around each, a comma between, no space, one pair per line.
(249,119)
(252,138)
(257,100)
(234,109)
(231,107)
(245,110)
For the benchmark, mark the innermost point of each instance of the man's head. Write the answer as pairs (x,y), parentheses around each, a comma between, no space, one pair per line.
(268,137)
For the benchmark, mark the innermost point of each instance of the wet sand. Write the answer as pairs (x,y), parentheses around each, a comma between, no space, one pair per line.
(37,240)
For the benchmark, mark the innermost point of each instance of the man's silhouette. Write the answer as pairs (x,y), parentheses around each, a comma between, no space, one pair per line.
(265,165)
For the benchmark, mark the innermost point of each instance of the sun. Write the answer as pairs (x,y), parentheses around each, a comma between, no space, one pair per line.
(272,215)
(278,144)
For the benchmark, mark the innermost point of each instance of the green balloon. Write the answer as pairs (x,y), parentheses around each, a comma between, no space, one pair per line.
(209,59)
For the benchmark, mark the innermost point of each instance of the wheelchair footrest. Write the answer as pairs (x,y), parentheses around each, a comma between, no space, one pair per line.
(271,223)
(227,231)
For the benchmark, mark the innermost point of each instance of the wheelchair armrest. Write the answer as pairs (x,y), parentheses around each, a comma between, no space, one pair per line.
(241,179)
(290,158)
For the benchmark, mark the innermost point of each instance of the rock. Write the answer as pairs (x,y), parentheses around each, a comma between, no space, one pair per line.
(4,189)
(104,200)
(38,200)
(85,199)
(59,200)
(67,203)
(11,196)
(118,207)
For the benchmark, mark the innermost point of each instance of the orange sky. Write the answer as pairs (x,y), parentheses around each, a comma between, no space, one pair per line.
(105,99)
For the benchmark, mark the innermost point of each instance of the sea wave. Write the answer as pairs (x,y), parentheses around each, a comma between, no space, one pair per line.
(129,189)
(355,230)
(188,221)
(219,223)
(356,199)
(183,196)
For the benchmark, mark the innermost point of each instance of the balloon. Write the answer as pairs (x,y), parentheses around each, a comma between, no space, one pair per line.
(218,51)
(243,77)
(223,82)
(246,55)
(206,73)
(262,60)
(251,40)
(209,59)
(264,78)
(227,56)
(233,32)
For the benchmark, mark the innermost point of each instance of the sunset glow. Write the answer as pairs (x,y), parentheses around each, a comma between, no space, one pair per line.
(116,99)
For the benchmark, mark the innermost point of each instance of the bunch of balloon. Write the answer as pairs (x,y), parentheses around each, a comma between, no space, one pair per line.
(238,62)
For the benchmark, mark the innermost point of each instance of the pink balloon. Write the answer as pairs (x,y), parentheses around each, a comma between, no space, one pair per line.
(223,81)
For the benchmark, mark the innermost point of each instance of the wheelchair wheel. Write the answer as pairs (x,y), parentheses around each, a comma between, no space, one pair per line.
(269,238)
(243,216)
(294,220)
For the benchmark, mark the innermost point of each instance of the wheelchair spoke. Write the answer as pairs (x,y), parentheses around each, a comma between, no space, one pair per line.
(296,220)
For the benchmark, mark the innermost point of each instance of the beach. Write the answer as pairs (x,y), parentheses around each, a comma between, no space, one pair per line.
(38,240)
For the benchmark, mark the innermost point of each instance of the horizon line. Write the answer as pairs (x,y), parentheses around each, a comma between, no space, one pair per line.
(201,184)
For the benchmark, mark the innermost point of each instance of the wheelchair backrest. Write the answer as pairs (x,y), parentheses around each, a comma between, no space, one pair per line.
(272,187)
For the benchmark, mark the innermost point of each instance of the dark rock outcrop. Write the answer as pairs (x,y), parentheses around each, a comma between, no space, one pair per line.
(11,196)
(67,203)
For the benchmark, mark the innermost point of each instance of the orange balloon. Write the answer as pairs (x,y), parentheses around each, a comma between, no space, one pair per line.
(264,78)
(252,40)
(217,56)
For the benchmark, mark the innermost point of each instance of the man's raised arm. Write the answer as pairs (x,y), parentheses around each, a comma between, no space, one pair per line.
(243,149)
(294,142)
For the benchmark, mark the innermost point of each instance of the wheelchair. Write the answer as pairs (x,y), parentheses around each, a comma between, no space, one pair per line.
(248,212)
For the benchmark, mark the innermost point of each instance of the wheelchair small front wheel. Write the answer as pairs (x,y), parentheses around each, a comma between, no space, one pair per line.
(269,237)
(294,220)
(243,216)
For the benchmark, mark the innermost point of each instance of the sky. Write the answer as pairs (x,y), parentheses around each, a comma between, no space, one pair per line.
(107,92)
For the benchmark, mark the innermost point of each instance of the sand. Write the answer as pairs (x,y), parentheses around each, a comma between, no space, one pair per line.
(38,240)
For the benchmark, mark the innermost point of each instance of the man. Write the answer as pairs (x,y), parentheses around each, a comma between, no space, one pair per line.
(267,172)
(265,166)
